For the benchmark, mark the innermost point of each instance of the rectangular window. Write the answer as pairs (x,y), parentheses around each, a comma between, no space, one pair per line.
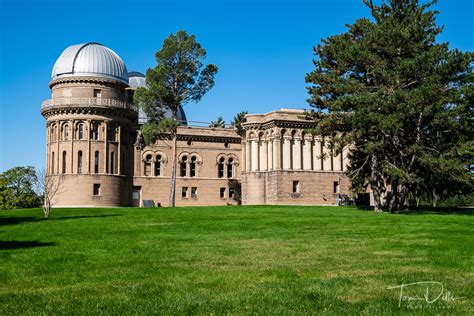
(96,189)
(231,193)
(184,192)
(96,162)
(222,193)
(296,187)
(192,169)
(79,161)
(336,187)
(97,93)
(112,163)
(220,170)
(194,192)
(183,169)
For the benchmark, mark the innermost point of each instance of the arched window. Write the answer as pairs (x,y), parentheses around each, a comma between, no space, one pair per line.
(80,131)
(52,162)
(96,162)
(66,132)
(158,166)
(79,161)
(64,162)
(220,167)
(183,165)
(95,131)
(148,159)
(230,173)
(112,163)
(192,167)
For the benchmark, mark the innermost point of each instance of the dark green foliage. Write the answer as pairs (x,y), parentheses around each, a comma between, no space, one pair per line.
(178,78)
(403,100)
(247,260)
(239,118)
(219,123)
(17,188)
(152,131)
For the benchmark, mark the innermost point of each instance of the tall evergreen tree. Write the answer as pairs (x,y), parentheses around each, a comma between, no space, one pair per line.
(178,78)
(403,101)
(219,123)
(238,119)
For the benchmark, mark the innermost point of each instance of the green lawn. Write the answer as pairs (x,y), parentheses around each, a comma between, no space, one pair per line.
(237,260)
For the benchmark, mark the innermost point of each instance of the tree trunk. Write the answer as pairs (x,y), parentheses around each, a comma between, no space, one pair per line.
(374,184)
(174,135)
(434,198)
(173,171)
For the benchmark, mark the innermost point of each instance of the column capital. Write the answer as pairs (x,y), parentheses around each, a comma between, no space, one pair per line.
(308,137)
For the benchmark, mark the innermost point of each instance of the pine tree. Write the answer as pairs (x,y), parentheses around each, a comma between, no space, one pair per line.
(178,78)
(403,101)
(239,118)
(219,123)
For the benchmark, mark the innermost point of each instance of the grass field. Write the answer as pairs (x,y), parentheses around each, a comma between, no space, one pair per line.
(237,260)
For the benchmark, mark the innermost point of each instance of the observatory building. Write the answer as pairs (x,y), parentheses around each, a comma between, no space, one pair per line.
(95,149)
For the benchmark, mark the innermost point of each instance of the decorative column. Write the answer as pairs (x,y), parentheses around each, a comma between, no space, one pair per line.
(337,162)
(88,133)
(48,141)
(248,155)
(307,152)
(119,153)
(58,130)
(317,154)
(270,154)
(277,151)
(73,134)
(254,154)
(345,158)
(106,137)
(244,155)
(327,155)
(286,152)
(263,155)
(296,151)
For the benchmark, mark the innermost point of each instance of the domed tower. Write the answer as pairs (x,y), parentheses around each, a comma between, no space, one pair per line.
(90,123)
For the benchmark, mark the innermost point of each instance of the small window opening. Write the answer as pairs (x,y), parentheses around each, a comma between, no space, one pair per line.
(296,187)
(96,189)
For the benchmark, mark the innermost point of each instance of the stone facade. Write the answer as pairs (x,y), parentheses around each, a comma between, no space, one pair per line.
(284,164)
(94,148)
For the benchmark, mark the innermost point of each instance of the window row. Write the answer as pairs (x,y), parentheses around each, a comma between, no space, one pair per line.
(112,163)
(187,166)
(80,132)
(192,192)
(297,189)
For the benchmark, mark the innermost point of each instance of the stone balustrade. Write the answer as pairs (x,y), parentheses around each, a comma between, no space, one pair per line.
(87,102)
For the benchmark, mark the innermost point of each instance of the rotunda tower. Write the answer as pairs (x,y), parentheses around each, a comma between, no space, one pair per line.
(90,125)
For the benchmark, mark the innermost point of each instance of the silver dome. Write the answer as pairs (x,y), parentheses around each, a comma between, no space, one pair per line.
(90,60)
(137,79)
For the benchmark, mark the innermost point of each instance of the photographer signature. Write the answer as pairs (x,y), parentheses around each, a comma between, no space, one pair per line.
(437,292)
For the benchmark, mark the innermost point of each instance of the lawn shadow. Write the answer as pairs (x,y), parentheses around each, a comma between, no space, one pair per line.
(426,210)
(4,221)
(14,244)
(53,218)
(438,211)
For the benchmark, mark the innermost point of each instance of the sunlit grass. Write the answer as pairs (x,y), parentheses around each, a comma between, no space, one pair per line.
(238,260)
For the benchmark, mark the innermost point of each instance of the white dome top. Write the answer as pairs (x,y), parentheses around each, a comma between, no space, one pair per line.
(90,60)
(136,79)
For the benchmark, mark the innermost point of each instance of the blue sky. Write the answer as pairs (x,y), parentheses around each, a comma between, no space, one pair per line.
(263,50)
